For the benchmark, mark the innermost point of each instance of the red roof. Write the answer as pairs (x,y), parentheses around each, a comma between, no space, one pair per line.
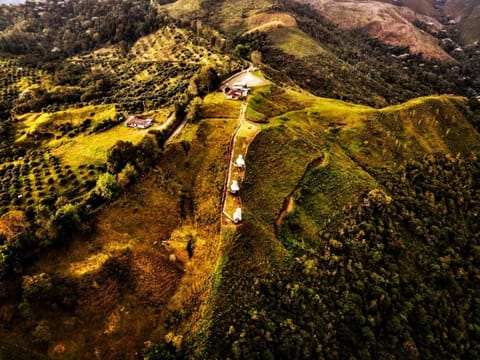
(135,121)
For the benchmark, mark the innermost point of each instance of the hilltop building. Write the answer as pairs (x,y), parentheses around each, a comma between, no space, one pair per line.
(237,91)
(138,123)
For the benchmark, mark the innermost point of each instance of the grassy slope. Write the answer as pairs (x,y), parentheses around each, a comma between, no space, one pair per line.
(354,137)
(61,128)
(179,201)
(324,156)
(351,137)
(295,42)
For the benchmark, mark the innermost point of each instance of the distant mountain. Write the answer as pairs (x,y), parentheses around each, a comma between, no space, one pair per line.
(392,24)
(466,13)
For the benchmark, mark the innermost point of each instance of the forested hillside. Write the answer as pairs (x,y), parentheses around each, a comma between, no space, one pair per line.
(390,281)
(360,248)
(60,28)
(355,67)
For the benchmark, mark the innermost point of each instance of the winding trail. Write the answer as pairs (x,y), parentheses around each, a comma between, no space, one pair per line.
(289,201)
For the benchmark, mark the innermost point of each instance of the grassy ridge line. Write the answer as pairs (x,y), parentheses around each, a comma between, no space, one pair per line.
(298,129)
(356,138)
(229,161)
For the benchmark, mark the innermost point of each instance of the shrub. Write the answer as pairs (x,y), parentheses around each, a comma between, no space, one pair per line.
(37,288)
(119,155)
(5,260)
(105,125)
(127,175)
(66,220)
(41,334)
(107,186)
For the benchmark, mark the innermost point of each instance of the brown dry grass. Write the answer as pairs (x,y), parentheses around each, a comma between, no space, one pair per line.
(262,18)
(115,315)
(118,311)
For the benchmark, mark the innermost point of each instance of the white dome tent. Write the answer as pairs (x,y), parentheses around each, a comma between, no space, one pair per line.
(240,162)
(234,187)
(237,216)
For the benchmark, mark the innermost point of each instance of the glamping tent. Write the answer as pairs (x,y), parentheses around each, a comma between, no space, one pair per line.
(240,162)
(234,187)
(237,216)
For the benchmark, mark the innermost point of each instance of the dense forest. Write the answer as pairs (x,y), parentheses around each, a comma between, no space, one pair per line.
(61,28)
(396,276)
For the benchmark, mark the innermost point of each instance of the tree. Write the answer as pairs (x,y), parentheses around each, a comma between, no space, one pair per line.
(474,104)
(41,334)
(147,152)
(12,223)
(107,186)
(38,288)
(66,220)
(45,232)
(193,109)
(119,155)
(204,82)
(5,260)
(127,176)
(241,51)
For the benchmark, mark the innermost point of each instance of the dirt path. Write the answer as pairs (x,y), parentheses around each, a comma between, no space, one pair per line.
(241,140)
(289,201)
(286,209)
(239,144)
(176,131)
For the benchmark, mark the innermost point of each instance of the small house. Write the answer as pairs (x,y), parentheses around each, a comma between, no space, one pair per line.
(234,94)
(241,87)
(237,91)
(139,123)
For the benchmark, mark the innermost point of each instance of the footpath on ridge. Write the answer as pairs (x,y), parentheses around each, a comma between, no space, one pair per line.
(241,139)
(238,146)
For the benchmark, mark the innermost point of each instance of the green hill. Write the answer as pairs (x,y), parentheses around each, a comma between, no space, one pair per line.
(341,253)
